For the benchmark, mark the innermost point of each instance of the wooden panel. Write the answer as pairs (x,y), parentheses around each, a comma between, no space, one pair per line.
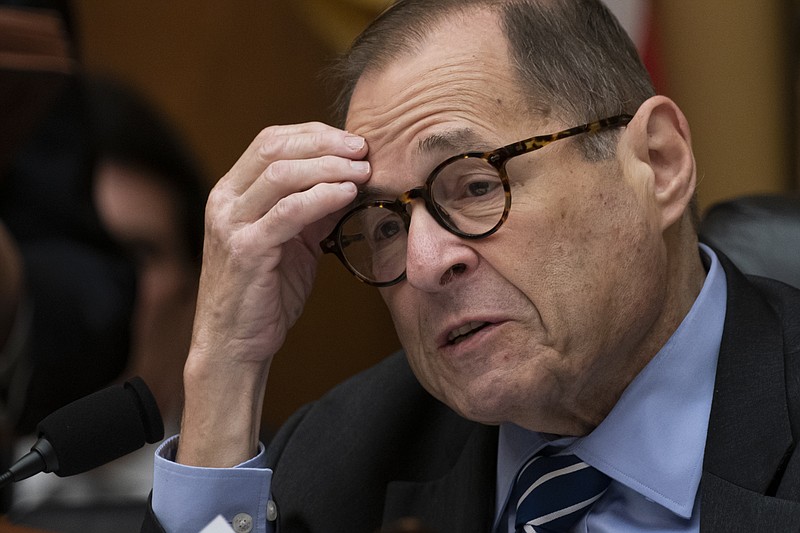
(726,66)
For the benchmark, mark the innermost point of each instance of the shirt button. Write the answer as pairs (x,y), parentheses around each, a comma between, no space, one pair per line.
(242,523)
(272,511)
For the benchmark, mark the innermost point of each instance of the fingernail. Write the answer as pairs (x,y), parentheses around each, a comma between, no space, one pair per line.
(348,186)
(354,142)
(360,166)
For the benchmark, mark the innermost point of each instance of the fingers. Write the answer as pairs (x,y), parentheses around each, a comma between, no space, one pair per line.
(287,177)
(287,160)
(287,143)
(294,213)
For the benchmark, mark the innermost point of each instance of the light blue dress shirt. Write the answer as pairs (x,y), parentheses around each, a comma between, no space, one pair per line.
(651,445)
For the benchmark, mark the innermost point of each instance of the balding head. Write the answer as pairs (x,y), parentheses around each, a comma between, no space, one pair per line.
(573,59)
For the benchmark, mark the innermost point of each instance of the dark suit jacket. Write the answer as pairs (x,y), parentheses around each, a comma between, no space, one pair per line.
(378,447)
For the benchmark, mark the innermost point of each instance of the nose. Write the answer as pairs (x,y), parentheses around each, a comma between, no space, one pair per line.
(435,258)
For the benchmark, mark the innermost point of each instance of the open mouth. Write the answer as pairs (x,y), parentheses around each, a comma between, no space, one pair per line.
(464,332)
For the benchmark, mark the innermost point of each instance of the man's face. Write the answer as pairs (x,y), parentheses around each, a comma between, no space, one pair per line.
(537,323)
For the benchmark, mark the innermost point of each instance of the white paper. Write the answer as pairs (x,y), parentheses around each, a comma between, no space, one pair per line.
(218,525)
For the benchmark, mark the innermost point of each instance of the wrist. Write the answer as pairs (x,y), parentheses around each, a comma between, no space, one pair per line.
(222,412)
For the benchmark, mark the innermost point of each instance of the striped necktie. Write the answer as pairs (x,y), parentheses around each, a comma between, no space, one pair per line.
(553,492)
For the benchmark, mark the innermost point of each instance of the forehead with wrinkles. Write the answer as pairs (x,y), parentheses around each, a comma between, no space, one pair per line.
(460,66)
(434,44)
(457,94)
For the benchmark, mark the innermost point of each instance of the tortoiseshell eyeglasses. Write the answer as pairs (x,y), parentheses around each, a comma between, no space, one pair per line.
(469,195)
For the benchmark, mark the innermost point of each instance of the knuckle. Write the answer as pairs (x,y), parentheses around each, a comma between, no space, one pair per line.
(287,208)
(278,142)
(267,134)
(270,142)
(266,150)
(326,139)
(219,211)
(214,230)
(317,125)
(277,171)
(329,163)
(216,199)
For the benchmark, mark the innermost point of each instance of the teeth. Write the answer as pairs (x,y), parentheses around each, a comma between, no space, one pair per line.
(463,330)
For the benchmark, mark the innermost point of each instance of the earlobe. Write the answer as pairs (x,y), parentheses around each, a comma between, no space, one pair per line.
(663,143)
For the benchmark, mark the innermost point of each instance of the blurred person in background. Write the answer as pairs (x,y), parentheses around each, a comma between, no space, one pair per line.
(150,195)
(114,301)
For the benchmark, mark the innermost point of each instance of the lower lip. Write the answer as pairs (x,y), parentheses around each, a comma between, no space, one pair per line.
(473,340)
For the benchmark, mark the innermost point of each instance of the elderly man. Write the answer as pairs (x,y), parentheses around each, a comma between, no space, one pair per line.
(574,360)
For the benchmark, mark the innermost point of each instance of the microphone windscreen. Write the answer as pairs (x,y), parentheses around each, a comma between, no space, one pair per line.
(148,409)
(102,426)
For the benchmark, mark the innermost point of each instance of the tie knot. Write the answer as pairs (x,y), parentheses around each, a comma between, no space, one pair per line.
(553,492)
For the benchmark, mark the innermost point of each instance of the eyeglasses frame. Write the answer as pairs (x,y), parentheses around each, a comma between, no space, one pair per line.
(497,158)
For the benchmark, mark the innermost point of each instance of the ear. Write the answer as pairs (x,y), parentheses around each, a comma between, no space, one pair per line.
(659,142)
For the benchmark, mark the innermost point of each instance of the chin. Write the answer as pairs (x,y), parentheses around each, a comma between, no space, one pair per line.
(494,389)
(484,400)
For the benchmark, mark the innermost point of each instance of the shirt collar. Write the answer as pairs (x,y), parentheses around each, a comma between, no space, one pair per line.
(653,440)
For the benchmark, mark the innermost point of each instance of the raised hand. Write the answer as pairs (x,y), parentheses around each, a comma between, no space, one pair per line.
(264,220)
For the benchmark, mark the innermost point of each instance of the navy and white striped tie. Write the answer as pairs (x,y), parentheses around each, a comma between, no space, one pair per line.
(553,492)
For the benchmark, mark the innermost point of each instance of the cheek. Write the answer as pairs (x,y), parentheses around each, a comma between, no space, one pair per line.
(579,253)
(596,228)
(607,259)
(394,301)
(409,318)
(406,316)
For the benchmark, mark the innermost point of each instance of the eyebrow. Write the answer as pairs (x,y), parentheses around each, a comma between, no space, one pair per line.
(452,142)
(449,141)
(369,193)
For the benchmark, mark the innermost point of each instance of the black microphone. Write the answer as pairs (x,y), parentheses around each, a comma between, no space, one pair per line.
(91,432)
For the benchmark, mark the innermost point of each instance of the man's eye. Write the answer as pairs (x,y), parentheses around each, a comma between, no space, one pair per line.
(478,188)
(387,230)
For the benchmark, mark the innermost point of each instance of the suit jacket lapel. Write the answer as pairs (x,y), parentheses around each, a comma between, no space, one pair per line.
(462,500)
(749,435)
